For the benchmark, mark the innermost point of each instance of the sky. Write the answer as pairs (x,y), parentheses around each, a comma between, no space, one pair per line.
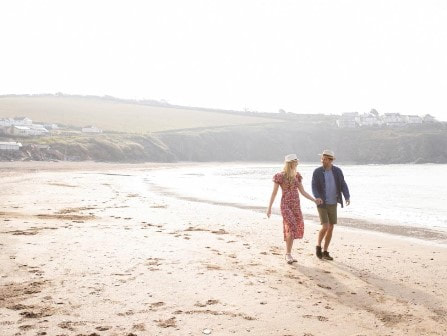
(314,56)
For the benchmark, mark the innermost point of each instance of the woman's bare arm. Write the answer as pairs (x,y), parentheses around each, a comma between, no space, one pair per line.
(272,199)
(305,194)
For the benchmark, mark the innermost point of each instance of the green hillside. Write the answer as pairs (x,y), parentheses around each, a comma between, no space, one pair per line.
(118,116)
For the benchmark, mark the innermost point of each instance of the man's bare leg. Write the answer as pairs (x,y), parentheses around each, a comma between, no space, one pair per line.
(322,233)
(327,239)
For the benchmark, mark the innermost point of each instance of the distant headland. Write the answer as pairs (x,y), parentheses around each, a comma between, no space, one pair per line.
(78,128)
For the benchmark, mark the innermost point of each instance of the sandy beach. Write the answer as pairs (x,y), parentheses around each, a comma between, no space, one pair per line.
(96,249)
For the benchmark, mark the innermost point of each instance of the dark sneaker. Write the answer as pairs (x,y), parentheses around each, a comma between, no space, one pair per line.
(326,256)
(319,253)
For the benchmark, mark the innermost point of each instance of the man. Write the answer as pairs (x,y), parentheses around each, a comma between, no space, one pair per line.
(328,185)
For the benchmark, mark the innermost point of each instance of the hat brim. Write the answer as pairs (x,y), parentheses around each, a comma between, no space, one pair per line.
(331,156)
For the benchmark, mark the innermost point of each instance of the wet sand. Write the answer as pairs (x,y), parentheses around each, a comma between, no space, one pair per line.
(98,249)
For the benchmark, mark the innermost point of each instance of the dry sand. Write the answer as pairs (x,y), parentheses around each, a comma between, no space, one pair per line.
(96,250)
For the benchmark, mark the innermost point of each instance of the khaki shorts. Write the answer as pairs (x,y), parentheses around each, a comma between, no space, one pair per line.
(328,214)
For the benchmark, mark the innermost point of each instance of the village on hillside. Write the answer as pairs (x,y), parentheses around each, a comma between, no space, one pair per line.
(373,118)
(24,127)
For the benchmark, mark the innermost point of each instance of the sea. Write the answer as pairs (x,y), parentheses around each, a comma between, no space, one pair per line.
(399,195)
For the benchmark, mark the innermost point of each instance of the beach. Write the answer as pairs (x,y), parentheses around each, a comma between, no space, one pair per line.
(99,249)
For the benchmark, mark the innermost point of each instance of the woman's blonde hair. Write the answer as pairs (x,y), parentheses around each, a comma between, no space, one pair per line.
(290,170)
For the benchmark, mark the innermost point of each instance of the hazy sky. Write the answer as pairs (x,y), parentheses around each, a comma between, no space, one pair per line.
(311,56)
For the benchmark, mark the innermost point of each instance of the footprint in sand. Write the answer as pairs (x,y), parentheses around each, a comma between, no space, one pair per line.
(170,322)
(159,206)
(66,325)
(216,251)
(292,276)
(127,313)
(319,317)
(207,303)
(153,264)
(31,314)
(191,228)
(324,286)
(156,305)
(220,232)
(275,250)
(23,233)
(139,327)
(18,307)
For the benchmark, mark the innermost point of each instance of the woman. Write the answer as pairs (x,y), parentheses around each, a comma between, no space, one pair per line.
(290,181)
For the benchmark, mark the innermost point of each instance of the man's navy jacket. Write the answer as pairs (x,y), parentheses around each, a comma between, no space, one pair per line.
(319,185)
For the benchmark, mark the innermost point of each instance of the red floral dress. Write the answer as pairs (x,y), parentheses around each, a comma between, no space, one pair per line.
(290,205)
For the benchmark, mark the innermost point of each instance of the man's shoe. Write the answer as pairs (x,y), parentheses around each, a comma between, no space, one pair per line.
(326,256)
(319,253)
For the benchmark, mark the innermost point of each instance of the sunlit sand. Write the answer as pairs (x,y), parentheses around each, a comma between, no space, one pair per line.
(92,248)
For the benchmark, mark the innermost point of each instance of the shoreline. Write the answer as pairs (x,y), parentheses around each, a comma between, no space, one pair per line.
(404,231)
(423,234)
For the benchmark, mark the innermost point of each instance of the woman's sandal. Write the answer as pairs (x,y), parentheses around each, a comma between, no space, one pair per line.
(289,258)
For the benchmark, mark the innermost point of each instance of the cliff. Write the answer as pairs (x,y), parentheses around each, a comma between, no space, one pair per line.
(268,142)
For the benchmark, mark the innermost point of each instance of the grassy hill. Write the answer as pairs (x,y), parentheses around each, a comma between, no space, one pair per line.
(118,115)
(148,131)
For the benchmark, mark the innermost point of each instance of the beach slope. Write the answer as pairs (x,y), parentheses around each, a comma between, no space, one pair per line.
(95,249)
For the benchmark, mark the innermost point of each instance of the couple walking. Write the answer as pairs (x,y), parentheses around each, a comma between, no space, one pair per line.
(328,185)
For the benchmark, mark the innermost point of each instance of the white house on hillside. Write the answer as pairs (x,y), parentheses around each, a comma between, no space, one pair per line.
(393,119)
(354,119)
(5,122)
(91,129)
(51,126)
(348,120)
(368,119)
(22,121)
(413,119)
(18,130)
(10,146)
(36,129)
(29,130)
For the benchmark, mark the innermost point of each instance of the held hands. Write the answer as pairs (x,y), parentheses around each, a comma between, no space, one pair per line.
(269,212)
(348,202)
(318,201)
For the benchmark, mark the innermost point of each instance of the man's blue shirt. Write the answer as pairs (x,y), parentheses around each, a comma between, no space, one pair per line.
(331,189)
